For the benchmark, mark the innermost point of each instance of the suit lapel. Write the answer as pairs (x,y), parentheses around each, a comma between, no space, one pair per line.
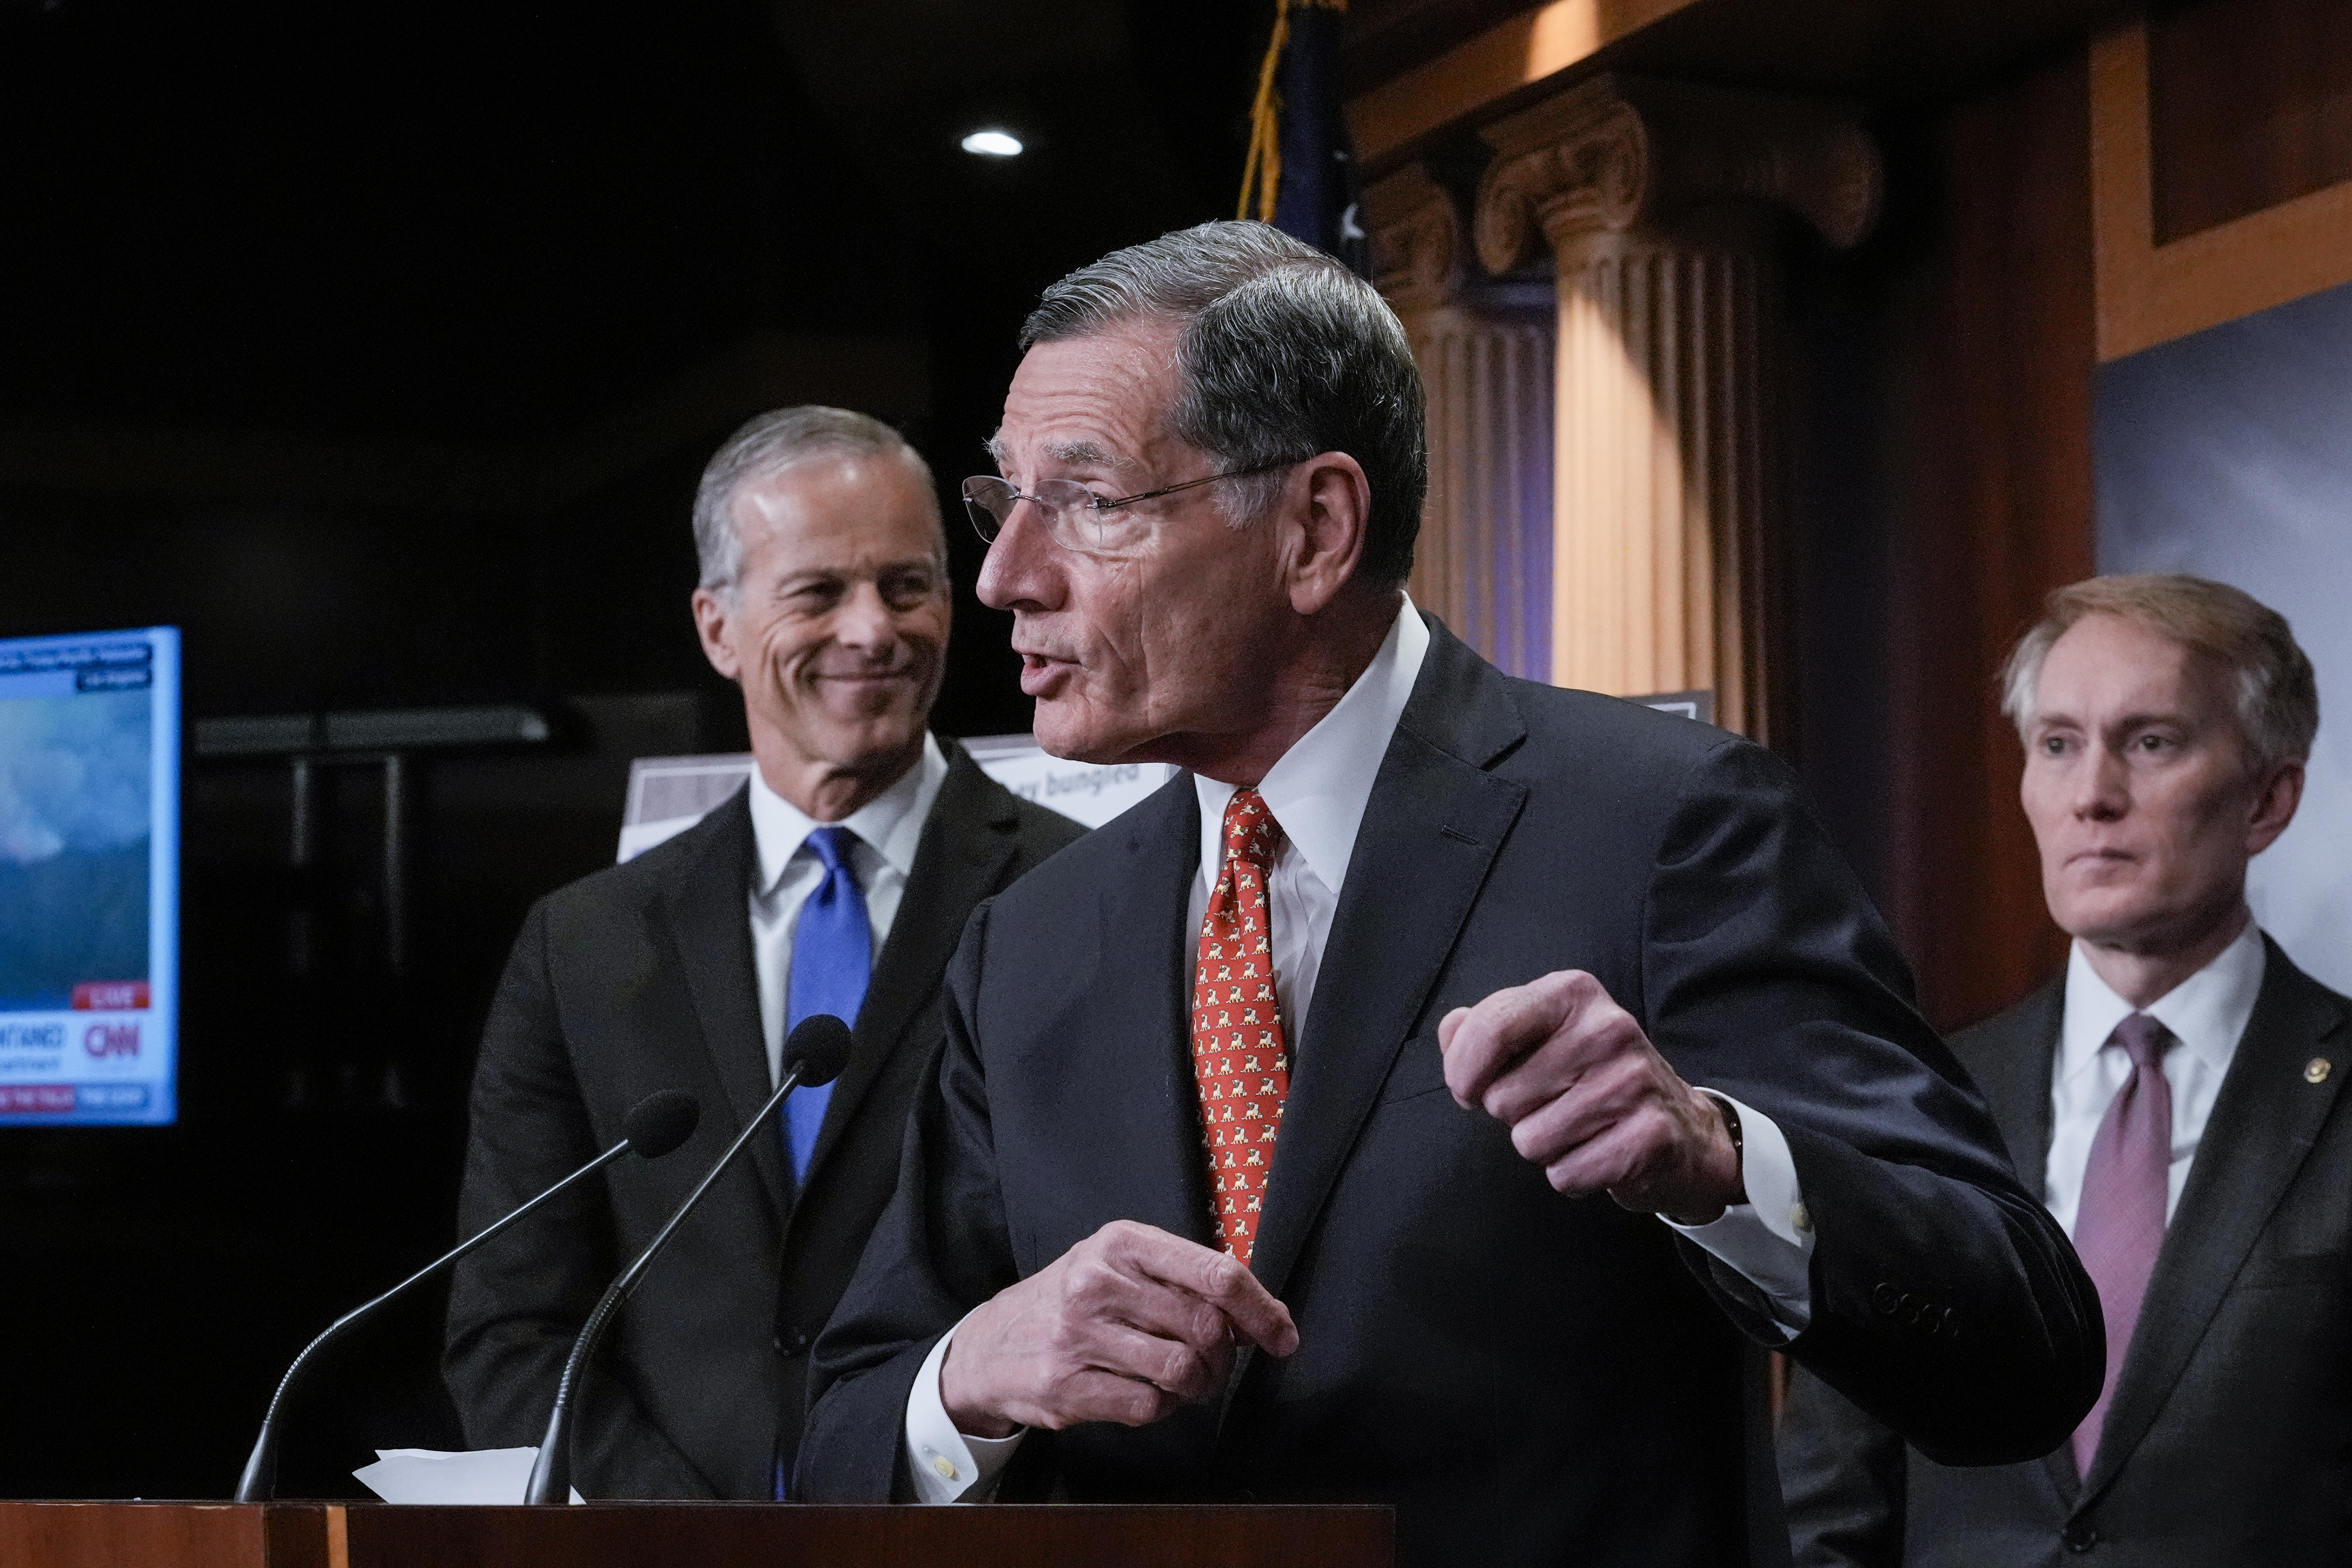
(1154,1170)
(2015,1080)
(2263,1123)
(1431,829)
(708,914)
(2019,1099)
(962,856)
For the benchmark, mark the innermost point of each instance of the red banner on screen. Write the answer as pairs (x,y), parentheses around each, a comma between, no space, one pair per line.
(110,996)
(35,1097)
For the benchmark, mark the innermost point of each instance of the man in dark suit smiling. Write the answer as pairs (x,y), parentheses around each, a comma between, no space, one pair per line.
(1482,938)
(2174,1098)
(835,882)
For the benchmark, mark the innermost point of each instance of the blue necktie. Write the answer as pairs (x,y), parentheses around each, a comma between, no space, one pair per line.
(833,955)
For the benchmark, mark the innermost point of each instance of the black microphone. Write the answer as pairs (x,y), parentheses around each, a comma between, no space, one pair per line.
(654,1126)
(815,1055)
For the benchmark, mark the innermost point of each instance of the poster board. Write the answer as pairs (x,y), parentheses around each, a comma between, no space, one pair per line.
(2228,454)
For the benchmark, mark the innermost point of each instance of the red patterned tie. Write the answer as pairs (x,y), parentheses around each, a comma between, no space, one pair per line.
(1240,1058)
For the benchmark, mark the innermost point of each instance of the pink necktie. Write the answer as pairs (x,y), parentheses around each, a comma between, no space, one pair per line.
(1239,1057)
(2120,1228)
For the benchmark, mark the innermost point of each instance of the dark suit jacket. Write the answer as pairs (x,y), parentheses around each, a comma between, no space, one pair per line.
(639,978)
(2229,1437)
(1529,1379)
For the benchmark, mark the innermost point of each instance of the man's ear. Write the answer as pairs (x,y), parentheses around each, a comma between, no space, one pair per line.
(1327,527)
(2276,794)
(711,611)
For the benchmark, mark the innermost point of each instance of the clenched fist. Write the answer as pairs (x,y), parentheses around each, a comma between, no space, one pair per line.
(1588,1097)
(1127,1326)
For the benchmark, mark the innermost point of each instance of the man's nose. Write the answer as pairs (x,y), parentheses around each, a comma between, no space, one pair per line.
(864,619)
(1019,567)
(2103,787)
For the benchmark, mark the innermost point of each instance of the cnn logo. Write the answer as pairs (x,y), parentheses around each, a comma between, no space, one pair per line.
(111,1039)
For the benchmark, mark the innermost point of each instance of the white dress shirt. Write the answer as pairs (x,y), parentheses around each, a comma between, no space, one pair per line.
(1317,792)
(888,827)
(2206,1013)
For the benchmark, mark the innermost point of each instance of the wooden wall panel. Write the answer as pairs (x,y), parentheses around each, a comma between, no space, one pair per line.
(2151,293)
(2010,519)
(1947,489)
(2250,105)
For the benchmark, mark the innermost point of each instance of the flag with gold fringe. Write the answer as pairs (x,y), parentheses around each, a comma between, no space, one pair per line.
(1301,174)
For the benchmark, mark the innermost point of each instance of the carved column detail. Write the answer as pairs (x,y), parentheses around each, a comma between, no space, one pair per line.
(1485,351)
(1663,205)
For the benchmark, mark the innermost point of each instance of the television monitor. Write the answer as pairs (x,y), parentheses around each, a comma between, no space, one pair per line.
(89,863)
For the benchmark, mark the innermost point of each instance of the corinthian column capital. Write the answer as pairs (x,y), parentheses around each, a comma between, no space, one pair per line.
(1618,153)
(1420,248)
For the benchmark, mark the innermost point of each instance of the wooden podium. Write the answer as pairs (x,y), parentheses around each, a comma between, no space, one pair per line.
(709,1535)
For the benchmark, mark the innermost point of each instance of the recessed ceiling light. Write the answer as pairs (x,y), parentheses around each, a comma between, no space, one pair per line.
(992,144)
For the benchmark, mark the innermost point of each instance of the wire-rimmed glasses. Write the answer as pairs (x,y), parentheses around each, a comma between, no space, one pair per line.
(1075,517)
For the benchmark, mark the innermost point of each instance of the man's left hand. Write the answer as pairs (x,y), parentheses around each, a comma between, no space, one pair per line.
(1588,1097)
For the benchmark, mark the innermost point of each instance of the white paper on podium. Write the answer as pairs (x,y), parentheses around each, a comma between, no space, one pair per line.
(428,1475)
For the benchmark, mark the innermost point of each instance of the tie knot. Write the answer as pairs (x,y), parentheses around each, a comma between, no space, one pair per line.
(831,846)
(1251,831)
(2142,1038)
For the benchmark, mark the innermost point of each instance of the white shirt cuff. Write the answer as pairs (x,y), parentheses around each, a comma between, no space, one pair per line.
(948,1466)
(1768,1239)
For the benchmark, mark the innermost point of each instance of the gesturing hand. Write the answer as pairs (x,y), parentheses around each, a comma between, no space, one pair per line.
(1588,1097)
(1126,1326)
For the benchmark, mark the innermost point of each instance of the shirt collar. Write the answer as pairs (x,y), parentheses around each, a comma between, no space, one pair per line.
(891,824)
(1319,788)
(2207,1012)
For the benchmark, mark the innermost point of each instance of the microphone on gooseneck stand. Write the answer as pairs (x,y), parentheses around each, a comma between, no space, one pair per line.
(654,1125)
(814,1053)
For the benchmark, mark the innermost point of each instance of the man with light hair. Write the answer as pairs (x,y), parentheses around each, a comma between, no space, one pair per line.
(835,882)
(2174,1097)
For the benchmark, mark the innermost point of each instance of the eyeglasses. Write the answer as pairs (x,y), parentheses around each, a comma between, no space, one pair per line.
(1073,514)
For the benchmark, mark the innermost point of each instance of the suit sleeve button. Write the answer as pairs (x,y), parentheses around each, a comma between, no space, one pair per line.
(792,1342)
(2078,1538)
(1885,1299)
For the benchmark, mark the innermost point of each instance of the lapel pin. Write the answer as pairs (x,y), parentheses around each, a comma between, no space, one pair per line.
(2316,1070)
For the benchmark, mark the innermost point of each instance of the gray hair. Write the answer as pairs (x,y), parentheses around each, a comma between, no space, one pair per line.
(772,442)
(2277,694)
(1282,354)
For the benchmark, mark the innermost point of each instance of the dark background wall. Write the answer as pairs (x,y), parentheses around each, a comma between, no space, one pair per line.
(379,348)
(1946,484)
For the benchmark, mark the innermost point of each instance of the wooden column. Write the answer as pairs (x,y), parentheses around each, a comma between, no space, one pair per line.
(1662,204)
(1485,351)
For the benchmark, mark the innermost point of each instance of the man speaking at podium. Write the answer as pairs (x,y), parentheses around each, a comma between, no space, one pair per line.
(1274,1145)
(835,883)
